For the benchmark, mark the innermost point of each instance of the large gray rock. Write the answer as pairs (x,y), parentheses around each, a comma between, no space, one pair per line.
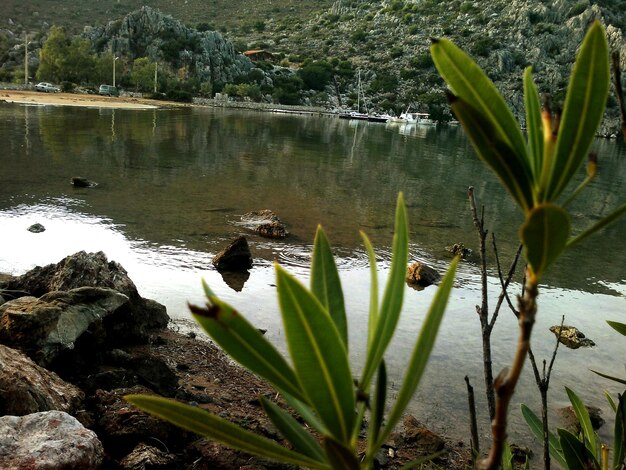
(48,440)
(129,323)
(26,388)
(47,326)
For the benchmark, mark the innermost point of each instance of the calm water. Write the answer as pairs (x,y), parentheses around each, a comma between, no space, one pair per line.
(173,184)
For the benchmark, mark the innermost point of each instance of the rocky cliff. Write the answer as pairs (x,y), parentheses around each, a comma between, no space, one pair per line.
(147,32)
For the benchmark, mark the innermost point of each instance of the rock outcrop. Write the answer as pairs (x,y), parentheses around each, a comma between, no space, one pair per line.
(234,257)
(421,275)
(147,32)
(571,337)
(265,223)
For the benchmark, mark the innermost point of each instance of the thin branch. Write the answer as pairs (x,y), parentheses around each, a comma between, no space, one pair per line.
(482,233)
(475,443)
(507,380)
(619,92)
(504,283)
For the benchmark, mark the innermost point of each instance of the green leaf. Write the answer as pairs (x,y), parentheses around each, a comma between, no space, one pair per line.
(584,108)
(610,377)
(507,457)
(326,285)
(301,440)
(612,403)
(544,235)
(339,456)
(619,433)
(319,356)
(306,413)
(245,344)
(536,427)
(421,460)
(392,299)
(469,82)
(609,219)
(373,312)
(534,124)
(577,456)
(582,414)
(378,405)
(617,326)
(201,422)
(421,351)
(495,152)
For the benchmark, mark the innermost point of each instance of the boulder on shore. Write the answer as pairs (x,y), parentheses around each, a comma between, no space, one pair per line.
(50,439)
(26,388)
(130,323)
(45,327)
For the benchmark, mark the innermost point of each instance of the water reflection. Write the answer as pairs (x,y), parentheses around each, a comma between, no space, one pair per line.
(174,182)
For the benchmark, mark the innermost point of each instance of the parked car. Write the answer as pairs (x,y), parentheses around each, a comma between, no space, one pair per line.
(108,90)
(47,87)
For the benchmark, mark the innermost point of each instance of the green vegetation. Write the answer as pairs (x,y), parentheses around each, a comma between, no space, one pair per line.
(318,383)
(536,173)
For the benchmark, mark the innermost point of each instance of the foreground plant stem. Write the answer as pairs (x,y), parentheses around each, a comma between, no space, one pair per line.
(506,381)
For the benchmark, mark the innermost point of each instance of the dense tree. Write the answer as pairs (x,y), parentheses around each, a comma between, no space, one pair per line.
(65,59)
(316,75)
(142,76)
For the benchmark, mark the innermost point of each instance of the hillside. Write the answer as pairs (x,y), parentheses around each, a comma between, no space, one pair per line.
(386,41)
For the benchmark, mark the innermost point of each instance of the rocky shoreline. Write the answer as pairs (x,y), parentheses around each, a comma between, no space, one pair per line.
(76,337)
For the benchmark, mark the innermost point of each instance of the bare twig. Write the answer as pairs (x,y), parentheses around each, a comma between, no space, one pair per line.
(504,283)
(483,310)
(619,92)
(507,379)
(475,443)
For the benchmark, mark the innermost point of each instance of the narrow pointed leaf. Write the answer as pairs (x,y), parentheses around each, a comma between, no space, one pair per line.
(306,413)
(293,431)
(373,311)
(610,377)
(469,82)
(576,455)
(612,403)
(534,125)
(495,152)
(246,345)
(391,306)
(582,414)
(619,440)
(609,219)
(507,457)
(544,235)
(421,351)
(319,355)
(326,285)
(201,422)
(378,404)
(339,456)
(584,108)
(617,326)
(536,427)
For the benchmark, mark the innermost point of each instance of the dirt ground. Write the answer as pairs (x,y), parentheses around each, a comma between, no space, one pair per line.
(74,99)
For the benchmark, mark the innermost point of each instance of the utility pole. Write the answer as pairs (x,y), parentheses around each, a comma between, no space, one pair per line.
(25,58)
(114,60)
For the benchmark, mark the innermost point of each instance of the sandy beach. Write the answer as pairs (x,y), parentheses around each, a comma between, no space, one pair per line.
(72,99)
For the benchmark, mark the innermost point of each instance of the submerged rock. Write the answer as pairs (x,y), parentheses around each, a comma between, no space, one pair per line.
(571,423)
(235,257)
(36,228)
(264,222)
(51,439)
(459,249)
(80,182)
(571,337)
(421,275)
